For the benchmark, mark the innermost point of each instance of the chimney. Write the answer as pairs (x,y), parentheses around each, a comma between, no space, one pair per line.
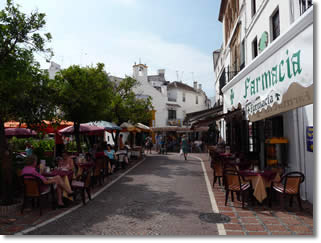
(195,85)
(200,86)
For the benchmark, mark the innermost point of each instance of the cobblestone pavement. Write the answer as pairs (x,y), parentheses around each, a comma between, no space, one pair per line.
(165,195)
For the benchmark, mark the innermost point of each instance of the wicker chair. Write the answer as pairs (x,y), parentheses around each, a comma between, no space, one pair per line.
(99,170)
(32,190)
(289,185)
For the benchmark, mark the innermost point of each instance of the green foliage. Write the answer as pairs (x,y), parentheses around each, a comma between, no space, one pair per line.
(71,146)
(125,106)
(83,94)
(25,95)
(17,28)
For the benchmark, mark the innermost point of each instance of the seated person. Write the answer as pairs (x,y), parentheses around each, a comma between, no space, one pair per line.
(110,153)
(66,162)
(30,168)
(28,149)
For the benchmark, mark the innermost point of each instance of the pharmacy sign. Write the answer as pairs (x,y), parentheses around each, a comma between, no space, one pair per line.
(283,68)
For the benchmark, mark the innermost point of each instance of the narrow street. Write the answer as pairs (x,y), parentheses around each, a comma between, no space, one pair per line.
(164,195)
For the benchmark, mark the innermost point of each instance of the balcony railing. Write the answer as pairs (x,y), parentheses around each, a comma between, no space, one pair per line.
(304,5)
(228,75)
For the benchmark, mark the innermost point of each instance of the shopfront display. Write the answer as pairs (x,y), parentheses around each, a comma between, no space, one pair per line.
(275,93)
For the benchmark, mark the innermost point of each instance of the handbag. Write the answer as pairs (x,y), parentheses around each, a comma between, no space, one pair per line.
(181,152)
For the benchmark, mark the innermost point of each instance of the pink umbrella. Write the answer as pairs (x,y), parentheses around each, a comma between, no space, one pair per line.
(84,128)
(19,132)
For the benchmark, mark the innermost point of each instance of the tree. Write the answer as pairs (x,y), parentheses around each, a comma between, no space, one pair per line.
(83,94)
(126,106)
(24,90)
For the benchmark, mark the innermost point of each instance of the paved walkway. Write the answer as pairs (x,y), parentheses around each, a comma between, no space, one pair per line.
(260,219)
(164,195)
(253,220)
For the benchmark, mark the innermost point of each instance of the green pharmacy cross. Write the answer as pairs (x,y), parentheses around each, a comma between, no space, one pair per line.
(263,41)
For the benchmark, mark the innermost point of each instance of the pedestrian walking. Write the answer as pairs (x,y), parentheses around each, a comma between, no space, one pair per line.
(184,146)
(149,144)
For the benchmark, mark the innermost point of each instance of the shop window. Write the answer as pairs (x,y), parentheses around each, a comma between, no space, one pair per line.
(273,127)
(254,48)
(253,7)
(275,25)
(171,114)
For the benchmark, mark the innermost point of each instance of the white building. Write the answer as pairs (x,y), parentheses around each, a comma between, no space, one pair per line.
(171,101)
(264,69)
(53,69)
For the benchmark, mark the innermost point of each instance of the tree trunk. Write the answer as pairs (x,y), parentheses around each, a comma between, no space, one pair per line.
(76,131)
(116,140)
(6,168)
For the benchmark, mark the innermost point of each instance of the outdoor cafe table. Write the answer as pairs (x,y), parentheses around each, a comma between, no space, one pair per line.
(226,155)
(260,181)
(66,176)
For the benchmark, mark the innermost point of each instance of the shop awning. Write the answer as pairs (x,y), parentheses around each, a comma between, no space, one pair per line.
(280,78)
(170,129)
(208,121)
(194,116)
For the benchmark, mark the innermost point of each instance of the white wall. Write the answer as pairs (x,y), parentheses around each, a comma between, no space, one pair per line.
(261,21)
(295,124)
(159,100)
(189,105)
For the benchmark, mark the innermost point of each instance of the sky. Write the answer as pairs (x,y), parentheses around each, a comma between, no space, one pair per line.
(176,35)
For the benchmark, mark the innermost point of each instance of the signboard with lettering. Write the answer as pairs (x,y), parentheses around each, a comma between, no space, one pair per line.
(310,138)
(258,87)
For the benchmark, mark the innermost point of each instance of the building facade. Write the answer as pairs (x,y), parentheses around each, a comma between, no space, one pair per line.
(264,78)
(171,100)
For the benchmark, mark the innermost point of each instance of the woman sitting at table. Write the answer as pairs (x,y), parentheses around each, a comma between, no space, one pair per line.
(66,162)
(30,168)
(110,153)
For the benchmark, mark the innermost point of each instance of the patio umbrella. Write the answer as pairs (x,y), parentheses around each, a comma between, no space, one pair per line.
(19,132)
(109,126)
(14,124)
(143,127)
(83,129)
(127,127)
